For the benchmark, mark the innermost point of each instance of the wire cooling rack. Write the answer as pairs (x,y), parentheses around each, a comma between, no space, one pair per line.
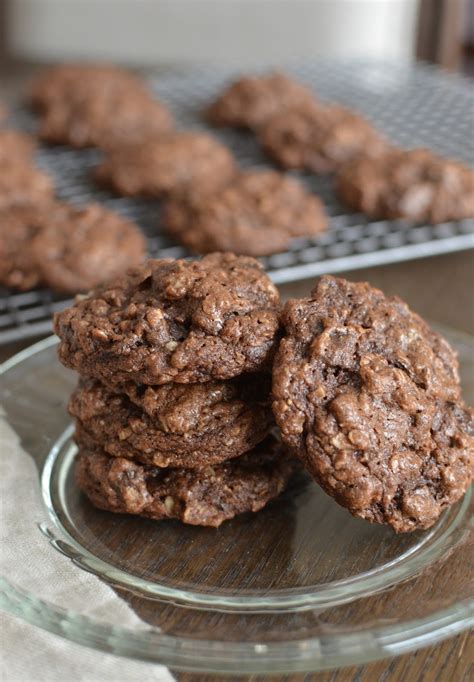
(412,105)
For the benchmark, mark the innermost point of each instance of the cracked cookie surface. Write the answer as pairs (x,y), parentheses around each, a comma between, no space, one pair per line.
(174,320)
(174,425)
(368,396)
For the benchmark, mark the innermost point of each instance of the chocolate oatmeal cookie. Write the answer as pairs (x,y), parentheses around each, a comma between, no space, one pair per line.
(174,320)
(318,138)
(416,185)
(17,269)
(60,83)
(257,214)
(252,100)
(199,497)
(173,163)
(15,145)
(368,396)
(64,247)
(175,425)
(22,184)
(104,119)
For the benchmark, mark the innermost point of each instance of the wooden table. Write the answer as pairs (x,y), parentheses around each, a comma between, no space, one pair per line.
(440,289)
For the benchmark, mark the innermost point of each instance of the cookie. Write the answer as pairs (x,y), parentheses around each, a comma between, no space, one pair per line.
(318,138)
(79,81)
(15,145)
(416,185)
(103,119)
(174,320)
(257,214)
(199,497)
(368,397)
(66,248)
(173,163)
(17,270)
(22,184)
(252,100)
(175,425)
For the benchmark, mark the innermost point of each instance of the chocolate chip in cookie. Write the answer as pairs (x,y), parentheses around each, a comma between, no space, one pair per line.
(174,320)
(256,214)
(199,497)
(368,396)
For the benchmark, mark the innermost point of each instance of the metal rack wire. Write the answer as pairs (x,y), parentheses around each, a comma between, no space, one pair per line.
(412,105)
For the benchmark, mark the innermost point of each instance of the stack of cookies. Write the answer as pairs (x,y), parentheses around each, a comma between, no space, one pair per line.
(172,410)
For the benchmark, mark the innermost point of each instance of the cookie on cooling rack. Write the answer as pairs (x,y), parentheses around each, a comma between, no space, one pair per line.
(199,497)
(318,138)
(104,120)
(174,320)
(252,100)
(54,86)
(65,248)
(95,105)
(368,396)
(178,162)
(413,184)
(175,425)
(256,214)
(22,184)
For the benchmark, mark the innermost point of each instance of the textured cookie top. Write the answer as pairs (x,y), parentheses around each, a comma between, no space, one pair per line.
(204,497)
(15,145)
(22,184)
(318,138)
(106,118)
(64,247)
(172,163)
(182,321)
(251,100)
(416,185)
(369,397)
(258,213)
(59,83)
(174,425)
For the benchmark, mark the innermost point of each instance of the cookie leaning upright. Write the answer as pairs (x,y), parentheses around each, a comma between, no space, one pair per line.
(369,398)
(181,321)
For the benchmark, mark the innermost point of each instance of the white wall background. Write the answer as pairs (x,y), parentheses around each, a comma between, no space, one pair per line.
(238,31)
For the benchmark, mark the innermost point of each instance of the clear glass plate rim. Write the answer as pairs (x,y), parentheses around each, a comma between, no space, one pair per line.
(220,656)
(315,653)
(335,593)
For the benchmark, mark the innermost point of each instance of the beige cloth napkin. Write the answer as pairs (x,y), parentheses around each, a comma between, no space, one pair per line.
(28,560)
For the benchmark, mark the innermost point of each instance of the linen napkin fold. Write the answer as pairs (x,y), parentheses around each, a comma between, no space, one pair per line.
(29,561)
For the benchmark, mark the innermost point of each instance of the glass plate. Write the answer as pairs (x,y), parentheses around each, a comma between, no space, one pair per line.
(301,586)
